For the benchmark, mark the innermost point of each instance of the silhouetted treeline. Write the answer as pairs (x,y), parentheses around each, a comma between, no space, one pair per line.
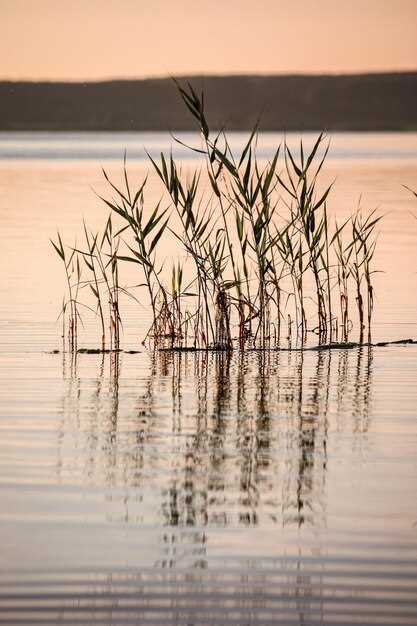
(348,102)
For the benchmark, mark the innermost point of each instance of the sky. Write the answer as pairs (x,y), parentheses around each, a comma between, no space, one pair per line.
(100,39)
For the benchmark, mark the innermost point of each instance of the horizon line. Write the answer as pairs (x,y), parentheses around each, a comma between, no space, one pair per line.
(110,79)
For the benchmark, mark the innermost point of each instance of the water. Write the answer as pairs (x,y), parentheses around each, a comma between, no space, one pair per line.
(99,146)
(202,489)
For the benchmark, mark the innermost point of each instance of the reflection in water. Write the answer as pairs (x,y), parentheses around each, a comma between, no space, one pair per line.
(213,439)
(196,488)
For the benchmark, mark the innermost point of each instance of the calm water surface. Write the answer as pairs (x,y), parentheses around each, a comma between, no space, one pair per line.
(274,488)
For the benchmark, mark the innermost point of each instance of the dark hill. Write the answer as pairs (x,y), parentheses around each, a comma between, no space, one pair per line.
(347,102)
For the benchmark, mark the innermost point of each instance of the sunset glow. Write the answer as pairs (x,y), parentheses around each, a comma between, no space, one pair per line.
(76,40)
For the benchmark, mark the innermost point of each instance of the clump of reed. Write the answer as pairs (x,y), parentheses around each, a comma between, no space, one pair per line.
(99,258)
(259,250)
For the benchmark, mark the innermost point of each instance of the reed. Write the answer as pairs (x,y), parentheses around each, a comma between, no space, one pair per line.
(258,249)
(100,258)
(93,258)
(70,303)
(363,245)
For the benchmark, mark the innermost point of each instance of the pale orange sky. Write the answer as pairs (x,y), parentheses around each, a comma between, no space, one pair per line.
(94,39)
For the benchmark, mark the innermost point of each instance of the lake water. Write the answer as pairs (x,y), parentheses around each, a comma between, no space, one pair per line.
(255,488)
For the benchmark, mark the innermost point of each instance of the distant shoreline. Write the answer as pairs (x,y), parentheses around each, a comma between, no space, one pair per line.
(175,131)
(347,102)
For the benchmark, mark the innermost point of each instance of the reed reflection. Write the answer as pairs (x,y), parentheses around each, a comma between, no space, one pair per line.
(213,439)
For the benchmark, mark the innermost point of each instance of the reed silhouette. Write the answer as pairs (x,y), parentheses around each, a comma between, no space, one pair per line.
(260,248)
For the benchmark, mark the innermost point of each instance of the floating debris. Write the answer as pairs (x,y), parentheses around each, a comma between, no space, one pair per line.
(349,345)
(97,351)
